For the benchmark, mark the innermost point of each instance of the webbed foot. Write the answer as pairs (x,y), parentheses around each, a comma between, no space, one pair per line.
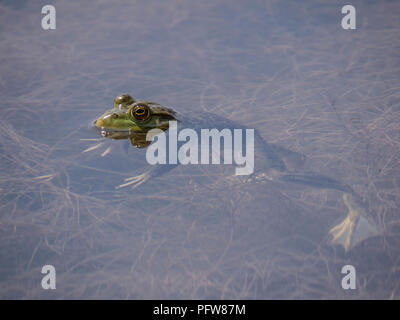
(354,228)
(135,181)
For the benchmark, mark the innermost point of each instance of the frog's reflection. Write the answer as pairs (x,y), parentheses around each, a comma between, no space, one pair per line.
(137,139)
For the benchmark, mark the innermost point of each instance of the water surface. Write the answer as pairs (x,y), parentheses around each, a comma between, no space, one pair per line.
(287,69)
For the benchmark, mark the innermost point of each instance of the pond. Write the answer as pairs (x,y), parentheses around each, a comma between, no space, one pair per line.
(286,69)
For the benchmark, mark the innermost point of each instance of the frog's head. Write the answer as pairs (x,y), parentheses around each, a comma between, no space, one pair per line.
(131,116)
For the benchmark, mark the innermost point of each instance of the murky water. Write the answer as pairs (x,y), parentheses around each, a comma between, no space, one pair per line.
(287,69)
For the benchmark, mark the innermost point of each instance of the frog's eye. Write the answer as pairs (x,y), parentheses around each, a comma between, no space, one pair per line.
(140,112)
(123,100)
(114,116)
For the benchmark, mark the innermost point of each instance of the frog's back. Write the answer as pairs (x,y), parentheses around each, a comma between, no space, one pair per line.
(267,155)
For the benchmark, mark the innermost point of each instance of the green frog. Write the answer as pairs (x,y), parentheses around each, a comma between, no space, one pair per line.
(131,119)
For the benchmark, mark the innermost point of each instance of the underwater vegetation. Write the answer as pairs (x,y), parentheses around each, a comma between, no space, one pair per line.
(288,71)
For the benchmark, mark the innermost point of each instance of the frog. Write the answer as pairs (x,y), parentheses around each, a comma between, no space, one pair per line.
(133,119)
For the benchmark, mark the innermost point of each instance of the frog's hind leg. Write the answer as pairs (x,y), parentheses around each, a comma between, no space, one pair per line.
(354,228)
(316,181)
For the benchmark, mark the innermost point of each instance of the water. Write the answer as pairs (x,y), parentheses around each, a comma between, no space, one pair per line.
(287,69)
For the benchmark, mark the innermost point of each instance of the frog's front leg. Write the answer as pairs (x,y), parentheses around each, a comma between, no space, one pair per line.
(155,171)
(135,181)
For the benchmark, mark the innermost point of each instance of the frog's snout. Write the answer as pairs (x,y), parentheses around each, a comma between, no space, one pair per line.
(100,122)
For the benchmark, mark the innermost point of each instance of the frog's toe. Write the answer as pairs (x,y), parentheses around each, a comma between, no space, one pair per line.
(355,228)
(96,146)
(106,152)
(342,233)
(134,181)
